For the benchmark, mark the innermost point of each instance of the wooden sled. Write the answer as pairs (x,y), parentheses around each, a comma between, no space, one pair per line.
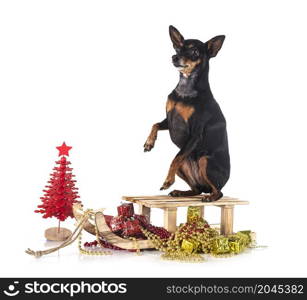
(170,204)
(105,232)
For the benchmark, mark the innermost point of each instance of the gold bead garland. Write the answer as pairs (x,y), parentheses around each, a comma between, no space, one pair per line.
(187,244)
(136,245)
(92,252)
(195,238)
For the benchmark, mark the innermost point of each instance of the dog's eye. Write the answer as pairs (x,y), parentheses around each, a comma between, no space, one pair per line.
(195,52)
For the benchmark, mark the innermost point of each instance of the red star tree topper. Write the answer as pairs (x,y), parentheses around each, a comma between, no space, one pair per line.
(61,193)
(63,150)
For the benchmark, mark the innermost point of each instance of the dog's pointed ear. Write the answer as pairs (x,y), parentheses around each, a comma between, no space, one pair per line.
(214,45)
(176,37)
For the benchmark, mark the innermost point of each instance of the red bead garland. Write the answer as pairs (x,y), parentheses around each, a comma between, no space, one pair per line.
(161,232)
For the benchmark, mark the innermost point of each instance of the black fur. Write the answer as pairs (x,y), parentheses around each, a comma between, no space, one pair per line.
(204,133)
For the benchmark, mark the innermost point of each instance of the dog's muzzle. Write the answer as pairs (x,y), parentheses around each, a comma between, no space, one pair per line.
(177,62)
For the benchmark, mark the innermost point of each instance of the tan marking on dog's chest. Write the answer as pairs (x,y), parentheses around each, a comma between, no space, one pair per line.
(170,104)
(185,111)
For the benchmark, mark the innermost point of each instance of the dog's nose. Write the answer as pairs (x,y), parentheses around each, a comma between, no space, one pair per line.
(175,58)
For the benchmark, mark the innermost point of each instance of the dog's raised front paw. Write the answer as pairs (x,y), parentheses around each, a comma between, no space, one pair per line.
(148,146)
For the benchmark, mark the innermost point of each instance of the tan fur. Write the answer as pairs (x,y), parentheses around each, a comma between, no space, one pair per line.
(189,172)
(170,105)
(175,165)
(152,136)
(184,110)
(190,65)
(203,162)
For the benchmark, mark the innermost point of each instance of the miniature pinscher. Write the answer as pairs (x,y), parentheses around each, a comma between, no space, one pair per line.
(195,122)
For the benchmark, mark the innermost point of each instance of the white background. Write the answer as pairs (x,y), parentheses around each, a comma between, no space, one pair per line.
(97,73)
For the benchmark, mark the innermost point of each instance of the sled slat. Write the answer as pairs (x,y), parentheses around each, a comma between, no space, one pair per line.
(170,204)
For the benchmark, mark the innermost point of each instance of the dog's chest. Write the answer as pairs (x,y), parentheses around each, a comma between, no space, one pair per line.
(178,116)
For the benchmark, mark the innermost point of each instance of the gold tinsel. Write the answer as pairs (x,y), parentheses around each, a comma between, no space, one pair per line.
(195,237)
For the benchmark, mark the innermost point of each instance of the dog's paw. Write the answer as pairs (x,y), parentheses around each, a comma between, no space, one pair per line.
(212,197)
(175,193)
(167,183)
(206,198)
(148,146)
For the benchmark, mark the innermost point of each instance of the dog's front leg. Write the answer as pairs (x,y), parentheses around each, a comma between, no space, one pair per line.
(179,158)
(150,142)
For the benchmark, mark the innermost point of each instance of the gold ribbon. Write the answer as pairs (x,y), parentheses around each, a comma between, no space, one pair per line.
(75,234)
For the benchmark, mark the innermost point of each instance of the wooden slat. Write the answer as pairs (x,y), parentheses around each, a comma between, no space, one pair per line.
(202,212)
(168,201)
(136,198)
(179,200)
(170,218)
(226,219)
(193,203)
(144,197)
(144,202)
(169,198)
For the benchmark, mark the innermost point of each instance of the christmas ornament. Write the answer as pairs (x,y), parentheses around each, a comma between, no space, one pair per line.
(142,219)
(117,224)
(59,196)
(191,240)
(125,210)
(196,237)
(127,224)
(189,246)
(63,150)
(194,214)
(132,228)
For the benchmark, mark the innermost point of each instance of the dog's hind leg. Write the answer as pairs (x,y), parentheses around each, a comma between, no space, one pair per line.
(188,172)
(215,188)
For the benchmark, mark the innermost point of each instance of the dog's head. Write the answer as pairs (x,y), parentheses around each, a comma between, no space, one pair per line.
(192,55)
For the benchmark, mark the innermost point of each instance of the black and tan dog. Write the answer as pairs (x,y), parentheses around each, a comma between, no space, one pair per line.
(195,122)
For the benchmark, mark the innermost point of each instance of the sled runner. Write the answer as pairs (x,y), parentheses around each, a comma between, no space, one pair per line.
(105,232)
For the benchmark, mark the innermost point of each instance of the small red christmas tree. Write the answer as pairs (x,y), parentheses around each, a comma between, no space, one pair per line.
(61,193)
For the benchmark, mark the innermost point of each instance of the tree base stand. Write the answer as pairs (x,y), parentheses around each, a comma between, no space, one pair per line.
(56,234)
